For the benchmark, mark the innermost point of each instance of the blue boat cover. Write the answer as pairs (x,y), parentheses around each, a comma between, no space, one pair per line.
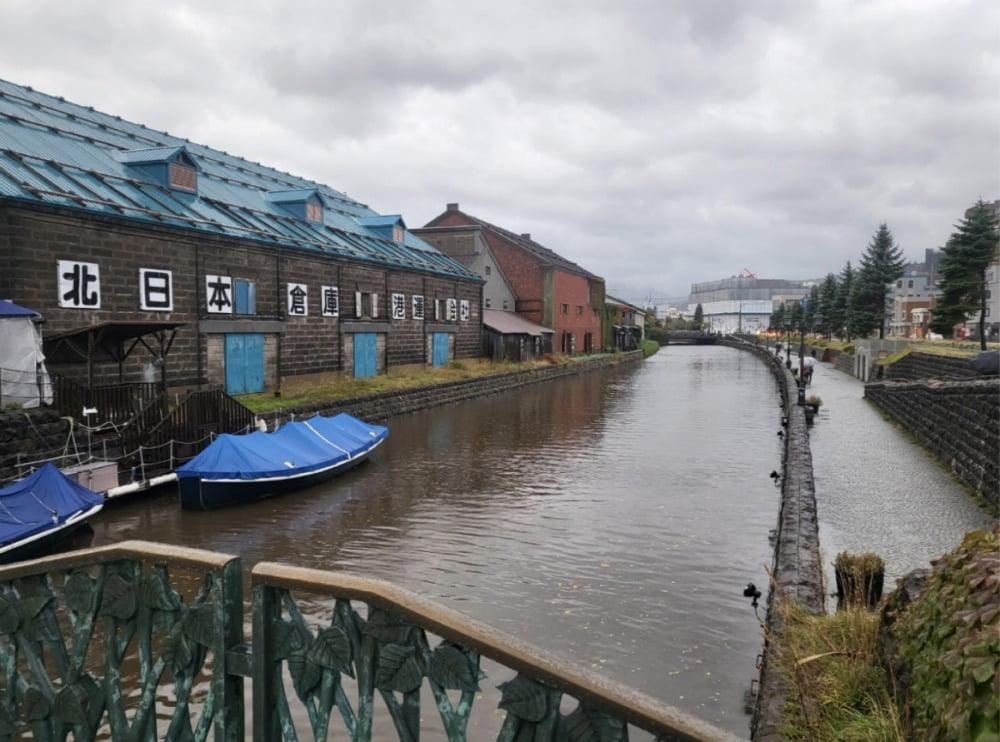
(40,501)
(296,447)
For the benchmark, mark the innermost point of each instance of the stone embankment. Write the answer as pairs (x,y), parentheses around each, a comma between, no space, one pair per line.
(797,571)
(957,421)
(26,432)
(381,407)
(952,411)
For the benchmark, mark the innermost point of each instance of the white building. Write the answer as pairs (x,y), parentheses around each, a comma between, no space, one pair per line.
(743,304)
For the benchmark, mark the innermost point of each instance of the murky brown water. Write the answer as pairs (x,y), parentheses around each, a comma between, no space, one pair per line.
(613,518)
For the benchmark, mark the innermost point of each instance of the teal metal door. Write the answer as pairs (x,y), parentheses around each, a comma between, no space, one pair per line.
(365,352)
(439,349)
(244,363)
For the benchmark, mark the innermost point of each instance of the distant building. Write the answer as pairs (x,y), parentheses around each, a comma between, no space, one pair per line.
(545,288)
(912,297)
(743,303)
(628,324)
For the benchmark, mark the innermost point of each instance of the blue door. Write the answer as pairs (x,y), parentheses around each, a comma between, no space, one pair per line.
(244,363)
(365,355)
(439,349)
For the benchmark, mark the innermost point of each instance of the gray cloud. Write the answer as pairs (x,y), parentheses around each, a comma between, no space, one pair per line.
(656,144)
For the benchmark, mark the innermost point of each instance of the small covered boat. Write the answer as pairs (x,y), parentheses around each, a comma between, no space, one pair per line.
(41,510)
(236,469)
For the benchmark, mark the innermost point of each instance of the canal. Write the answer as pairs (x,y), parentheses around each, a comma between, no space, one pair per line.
(613,518)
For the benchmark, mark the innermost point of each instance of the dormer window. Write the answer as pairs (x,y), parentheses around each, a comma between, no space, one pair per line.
(302,203)
(389,227)
(183,177)
(169,167)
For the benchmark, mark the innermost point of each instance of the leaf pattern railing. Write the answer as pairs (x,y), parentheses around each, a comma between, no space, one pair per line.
(142,641)
(377,646)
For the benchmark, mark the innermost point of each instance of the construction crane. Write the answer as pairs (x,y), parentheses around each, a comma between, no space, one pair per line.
(747,273)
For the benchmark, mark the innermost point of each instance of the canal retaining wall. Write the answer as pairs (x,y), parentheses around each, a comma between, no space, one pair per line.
(383,406)
(797,570)
(25,432)
(956,421)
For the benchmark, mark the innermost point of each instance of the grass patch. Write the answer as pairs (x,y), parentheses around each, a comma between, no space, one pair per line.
(839,689)
(319,388)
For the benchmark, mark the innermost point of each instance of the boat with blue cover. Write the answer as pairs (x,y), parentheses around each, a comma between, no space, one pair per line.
(236,469)
(39,511)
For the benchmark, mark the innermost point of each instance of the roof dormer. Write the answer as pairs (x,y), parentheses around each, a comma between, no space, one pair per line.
(390,227)
(170,167)
(302,203)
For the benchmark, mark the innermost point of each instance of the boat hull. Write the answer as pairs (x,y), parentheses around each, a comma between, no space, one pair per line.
(197,493)
(42,544)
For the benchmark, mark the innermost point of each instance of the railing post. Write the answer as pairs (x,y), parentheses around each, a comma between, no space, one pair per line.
(229,725)
(266,668)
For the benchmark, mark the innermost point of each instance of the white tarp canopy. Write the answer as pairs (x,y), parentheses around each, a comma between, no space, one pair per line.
(24,380)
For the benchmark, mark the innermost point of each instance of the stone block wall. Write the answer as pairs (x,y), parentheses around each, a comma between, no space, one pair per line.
(379,408)
(27,434)
(958,422)
(929,366)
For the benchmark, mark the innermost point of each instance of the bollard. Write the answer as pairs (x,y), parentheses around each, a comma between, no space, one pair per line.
(859,579)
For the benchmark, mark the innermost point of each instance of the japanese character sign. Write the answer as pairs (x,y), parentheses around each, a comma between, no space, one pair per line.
(219,294)
(399,306)
(298,299)
(463,310)
(418,306)
(79,285)
(330,301)
(156,290)
(452,309)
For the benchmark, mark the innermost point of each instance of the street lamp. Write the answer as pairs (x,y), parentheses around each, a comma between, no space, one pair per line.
(788,345)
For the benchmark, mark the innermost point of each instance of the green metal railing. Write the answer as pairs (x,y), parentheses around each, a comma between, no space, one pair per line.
(142,641)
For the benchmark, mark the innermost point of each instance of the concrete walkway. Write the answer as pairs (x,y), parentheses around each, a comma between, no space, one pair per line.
(875,490)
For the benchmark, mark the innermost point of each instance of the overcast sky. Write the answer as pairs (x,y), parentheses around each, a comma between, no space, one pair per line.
(656,143)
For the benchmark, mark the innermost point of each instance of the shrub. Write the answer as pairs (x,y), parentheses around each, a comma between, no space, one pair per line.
(947,646)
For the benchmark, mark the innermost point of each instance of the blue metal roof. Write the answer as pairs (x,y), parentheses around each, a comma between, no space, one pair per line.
(61,153)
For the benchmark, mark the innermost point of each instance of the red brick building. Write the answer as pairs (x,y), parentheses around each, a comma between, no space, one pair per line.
(548,289)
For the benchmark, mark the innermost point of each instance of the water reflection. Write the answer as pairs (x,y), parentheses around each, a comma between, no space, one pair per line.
(612,518)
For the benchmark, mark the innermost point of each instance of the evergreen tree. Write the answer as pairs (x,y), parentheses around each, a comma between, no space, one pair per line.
(699,316)
(967,254)
(777,321)
(811,307)
(840,321)
(881,265)
(827,304)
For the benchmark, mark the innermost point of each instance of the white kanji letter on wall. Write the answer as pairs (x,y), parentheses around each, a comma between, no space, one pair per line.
(219,294)
(298,299)
(79,284)
(398,306)
(156,292)
(330,301)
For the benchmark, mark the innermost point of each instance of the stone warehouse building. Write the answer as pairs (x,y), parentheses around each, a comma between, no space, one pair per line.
(146,252)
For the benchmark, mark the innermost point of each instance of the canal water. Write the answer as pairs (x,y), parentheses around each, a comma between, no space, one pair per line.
(878,492)
(613,518)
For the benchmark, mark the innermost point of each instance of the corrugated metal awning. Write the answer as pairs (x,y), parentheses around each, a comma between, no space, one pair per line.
(509,323)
